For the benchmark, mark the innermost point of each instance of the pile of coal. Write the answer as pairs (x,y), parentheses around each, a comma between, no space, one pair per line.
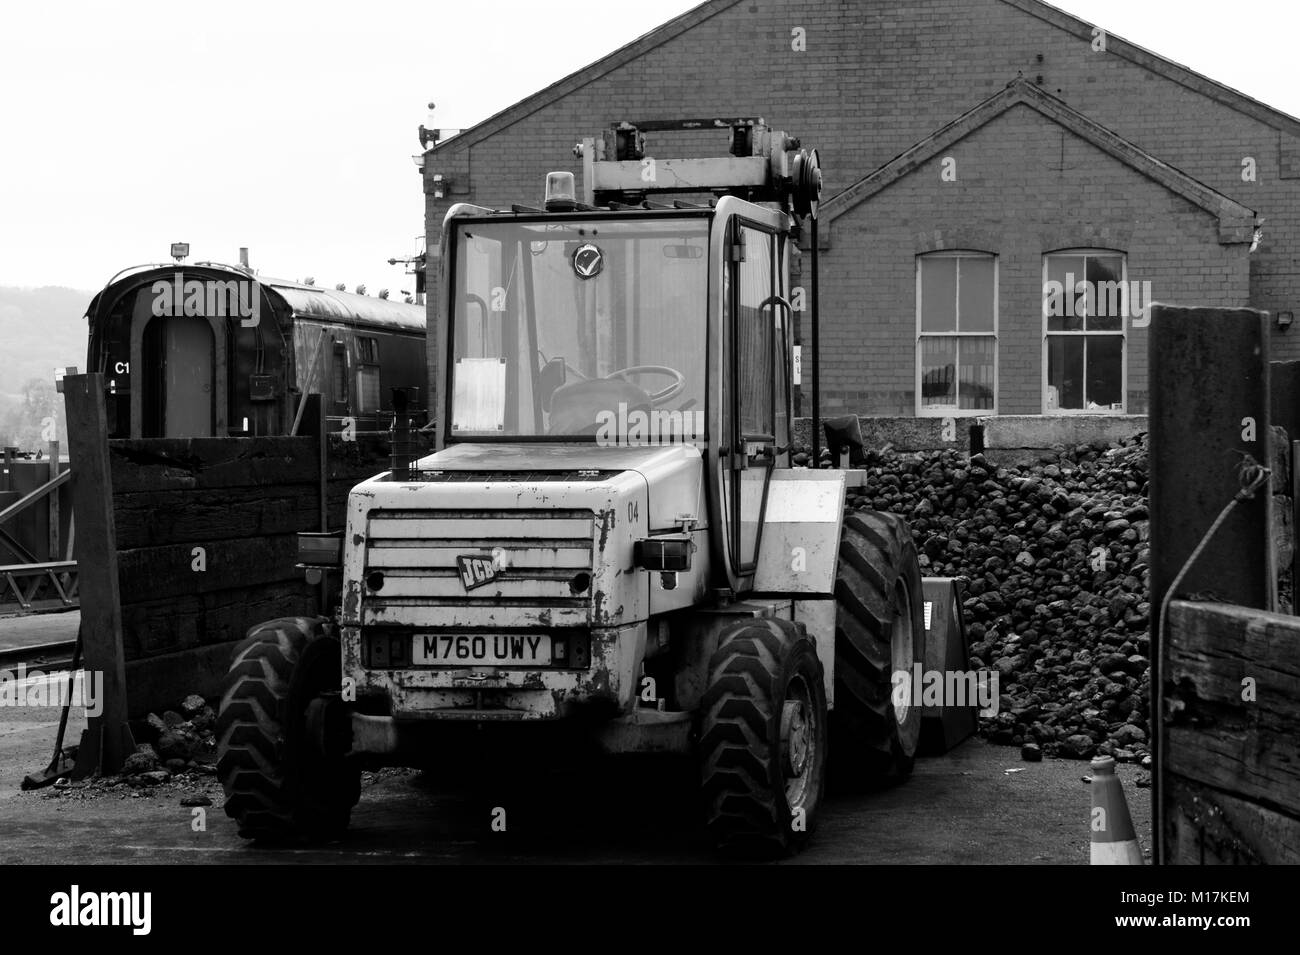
(1056,557)
(176,743)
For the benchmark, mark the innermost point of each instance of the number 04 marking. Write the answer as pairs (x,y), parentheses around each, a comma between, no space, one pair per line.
(633,512)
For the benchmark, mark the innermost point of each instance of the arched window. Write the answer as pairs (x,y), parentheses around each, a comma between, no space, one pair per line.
(957,329)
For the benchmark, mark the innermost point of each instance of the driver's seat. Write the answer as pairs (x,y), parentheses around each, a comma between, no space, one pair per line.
(575,407)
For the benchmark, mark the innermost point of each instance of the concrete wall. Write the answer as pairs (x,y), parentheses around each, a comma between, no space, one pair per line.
(1030,433)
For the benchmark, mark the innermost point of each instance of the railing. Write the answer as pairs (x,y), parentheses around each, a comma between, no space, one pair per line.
(58,576)
(39,572)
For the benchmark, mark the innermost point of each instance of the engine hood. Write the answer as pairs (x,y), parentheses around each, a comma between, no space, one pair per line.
(674,474)
(554,457)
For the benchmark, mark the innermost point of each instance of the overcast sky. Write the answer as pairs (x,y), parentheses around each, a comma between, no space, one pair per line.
(290,128)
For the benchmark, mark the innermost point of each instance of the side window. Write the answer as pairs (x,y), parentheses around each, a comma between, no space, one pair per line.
(368,374)
(957,343)
(755,390)
(1085,301)
(755,336)
(340,373)
(781,319)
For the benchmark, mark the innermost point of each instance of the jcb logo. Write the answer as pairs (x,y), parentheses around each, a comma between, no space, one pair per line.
(477,570)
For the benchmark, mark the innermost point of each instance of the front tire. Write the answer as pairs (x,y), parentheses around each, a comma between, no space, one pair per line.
(279,786)
(879,637)
(763,738)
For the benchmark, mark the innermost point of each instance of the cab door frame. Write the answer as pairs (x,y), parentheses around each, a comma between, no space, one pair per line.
(730,454)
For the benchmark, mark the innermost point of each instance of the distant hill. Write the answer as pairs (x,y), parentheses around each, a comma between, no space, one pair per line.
(40,329)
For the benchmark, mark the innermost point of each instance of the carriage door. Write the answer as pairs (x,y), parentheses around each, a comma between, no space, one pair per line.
(187,353)
(753,413)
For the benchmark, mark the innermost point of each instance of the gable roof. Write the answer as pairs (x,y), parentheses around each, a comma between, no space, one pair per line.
(678,25)
(1236,222)
(1162,66)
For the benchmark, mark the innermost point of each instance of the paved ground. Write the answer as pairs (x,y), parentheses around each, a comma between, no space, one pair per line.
(30,629)
(959,808)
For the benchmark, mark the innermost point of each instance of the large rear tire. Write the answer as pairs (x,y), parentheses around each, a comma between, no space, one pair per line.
(879,636)
(279,786)
(763,738)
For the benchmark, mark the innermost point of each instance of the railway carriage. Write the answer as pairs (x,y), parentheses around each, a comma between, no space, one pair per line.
(211,350)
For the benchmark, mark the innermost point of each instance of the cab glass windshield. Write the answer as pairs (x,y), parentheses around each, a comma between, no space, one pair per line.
(580,330)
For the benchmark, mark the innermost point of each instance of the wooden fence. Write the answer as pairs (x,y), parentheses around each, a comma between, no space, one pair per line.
(1232,735)
(187,543)
(1225,672)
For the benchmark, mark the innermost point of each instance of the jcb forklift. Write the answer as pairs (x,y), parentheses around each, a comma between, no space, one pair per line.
(610,536)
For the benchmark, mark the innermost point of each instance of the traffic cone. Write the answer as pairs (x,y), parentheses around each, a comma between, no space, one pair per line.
(1113,840)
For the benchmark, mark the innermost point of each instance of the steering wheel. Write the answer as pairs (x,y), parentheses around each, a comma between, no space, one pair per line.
(658,397)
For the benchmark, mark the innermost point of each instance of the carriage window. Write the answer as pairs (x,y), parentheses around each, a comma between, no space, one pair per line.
(368,375)
(340,373)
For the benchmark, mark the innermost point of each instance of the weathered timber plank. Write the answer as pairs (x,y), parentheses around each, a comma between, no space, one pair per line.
(1204,826)
(107,742)
(151,573)
(165,626)
(1250,747)
(153,464)
(204,515)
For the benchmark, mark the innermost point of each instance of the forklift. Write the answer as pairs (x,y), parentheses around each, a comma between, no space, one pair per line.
(610,536)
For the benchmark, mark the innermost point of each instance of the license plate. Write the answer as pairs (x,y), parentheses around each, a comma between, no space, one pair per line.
(451,649)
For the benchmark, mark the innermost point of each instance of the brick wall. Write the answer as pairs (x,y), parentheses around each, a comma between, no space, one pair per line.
(876,78)
(1024,186)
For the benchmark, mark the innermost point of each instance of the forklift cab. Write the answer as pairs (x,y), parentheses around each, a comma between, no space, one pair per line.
(627,328)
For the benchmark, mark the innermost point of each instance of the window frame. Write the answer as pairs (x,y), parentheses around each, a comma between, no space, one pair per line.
(955,410)
(733,428)
(368,360)
(341,352)
(1121,333)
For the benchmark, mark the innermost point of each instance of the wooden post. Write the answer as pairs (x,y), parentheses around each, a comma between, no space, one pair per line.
(322,446)
(322,429)
(107,743)
(1209,385)
(54,516)
(1295,528)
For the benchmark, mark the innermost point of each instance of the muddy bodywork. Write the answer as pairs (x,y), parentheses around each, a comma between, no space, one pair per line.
(553,531)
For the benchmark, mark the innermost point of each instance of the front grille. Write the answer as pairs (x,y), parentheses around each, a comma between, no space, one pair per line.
(538,554)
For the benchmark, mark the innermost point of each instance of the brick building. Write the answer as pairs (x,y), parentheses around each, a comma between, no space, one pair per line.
(1006,187)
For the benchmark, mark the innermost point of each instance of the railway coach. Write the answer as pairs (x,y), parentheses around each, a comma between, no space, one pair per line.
(212,350)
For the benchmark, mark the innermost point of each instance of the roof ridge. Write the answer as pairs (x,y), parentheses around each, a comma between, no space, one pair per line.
(1162,65)
(1170,69)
